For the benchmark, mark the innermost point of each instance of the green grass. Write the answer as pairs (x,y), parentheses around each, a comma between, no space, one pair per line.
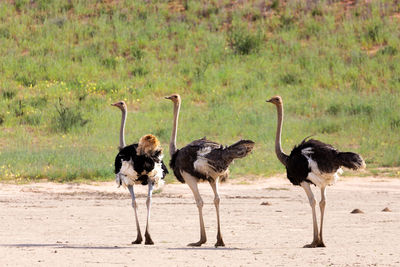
(62,63)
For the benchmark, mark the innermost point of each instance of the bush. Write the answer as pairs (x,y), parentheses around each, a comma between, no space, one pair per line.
(243,42)
(360,109)
(137,53)
(4,33)
(376,32)
(19,4)
(334,109)
(287,22)
(8,94)
(26,79)
(19,109)
(290,78)
(139,71)
(109,63)
(316,12)
(395,124)
(67,118)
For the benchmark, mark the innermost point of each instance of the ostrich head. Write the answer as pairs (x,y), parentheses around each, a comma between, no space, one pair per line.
(120,104)
(277,100)
(174,98)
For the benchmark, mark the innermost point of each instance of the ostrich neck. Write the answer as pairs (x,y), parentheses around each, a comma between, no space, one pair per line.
(278,148)
(122,130)
(172,144)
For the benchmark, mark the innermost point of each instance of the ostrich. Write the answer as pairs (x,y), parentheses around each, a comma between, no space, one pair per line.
(313,162)
(139,163)
(203,160)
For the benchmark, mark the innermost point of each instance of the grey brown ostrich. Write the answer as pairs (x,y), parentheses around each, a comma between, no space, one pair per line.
(203,160)
(139,164)
(313,162)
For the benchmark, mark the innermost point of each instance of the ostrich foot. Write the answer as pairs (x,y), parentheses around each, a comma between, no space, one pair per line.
(320,244)
(220,243)
(315,244)
(312,245)
(148,239)
(197,244)
(138,240)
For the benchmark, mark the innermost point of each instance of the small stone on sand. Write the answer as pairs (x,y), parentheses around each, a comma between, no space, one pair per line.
(357,211)
(265,203)
(387,210)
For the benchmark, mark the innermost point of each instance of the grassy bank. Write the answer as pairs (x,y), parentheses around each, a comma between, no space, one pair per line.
(63,62)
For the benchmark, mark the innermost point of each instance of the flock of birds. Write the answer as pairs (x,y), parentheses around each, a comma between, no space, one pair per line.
(312,162)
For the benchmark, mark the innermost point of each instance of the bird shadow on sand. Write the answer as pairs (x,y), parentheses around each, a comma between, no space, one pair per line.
(204,248)
(59,246)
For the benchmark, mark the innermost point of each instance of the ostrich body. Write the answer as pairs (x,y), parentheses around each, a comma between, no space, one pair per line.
(203,160)
(313,162)
(139,163)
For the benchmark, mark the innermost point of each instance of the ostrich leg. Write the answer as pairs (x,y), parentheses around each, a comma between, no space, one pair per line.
(192,183)
(322,204)
(134,206)
(147,236)
(311,199)
(214,185)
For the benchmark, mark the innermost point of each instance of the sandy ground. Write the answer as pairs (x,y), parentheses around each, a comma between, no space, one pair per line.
(48,224)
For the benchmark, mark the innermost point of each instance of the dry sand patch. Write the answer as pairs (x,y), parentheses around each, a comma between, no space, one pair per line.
(77,224)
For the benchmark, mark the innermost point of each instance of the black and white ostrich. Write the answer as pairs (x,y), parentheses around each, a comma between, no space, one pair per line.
(313,162)
(139,163)
(203,160)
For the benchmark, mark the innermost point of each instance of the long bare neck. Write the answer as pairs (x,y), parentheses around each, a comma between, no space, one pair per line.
(172,144)
(278,148)
(122,130)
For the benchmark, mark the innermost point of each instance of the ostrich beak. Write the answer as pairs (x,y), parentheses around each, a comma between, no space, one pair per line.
(167,97)
(113,104)
(269,101)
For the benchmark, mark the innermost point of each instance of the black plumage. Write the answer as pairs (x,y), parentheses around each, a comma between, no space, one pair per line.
(184,158)
(218,158)
(125,154)
(327,159)
(141,163)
